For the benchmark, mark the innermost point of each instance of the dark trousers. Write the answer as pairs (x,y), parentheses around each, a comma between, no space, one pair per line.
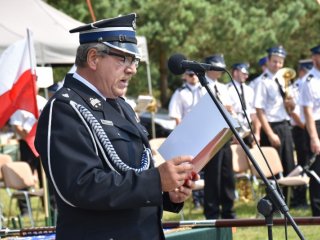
(283,130)
(300,138)
(219,188)
(314,186)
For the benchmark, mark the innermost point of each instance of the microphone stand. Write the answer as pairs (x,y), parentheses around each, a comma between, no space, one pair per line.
(273,200)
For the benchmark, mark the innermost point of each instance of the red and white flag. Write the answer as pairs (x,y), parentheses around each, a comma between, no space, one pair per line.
(18,82)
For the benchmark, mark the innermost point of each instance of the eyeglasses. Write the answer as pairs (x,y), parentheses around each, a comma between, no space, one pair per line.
(190,75)
(126,60)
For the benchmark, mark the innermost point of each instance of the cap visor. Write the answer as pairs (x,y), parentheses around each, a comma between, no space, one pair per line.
(129,48)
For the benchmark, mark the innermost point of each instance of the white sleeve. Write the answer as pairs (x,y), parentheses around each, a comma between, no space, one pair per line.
(175,107)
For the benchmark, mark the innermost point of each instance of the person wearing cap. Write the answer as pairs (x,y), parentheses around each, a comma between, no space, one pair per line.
(186,96)
(219,187)
(181,102)
(240,73)
(263,65)
(310,101)
(96,153)
(299,132)
(271,106)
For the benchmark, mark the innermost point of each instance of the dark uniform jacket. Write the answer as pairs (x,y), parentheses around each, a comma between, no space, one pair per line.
(95,202)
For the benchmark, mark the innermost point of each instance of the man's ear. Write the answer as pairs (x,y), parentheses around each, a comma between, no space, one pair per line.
(92,58)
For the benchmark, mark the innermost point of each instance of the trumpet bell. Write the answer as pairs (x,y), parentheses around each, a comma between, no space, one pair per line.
(285,75)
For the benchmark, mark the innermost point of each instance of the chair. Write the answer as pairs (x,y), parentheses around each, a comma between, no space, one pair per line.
(274,161)
(155,143)
(241,166)
(4,158)
(18,176)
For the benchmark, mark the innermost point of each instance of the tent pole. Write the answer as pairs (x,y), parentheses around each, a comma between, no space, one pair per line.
(153,126)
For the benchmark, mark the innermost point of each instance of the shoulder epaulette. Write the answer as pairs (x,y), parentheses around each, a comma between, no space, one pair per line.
(264,76)
(184,86)
(309,77)
(64,94)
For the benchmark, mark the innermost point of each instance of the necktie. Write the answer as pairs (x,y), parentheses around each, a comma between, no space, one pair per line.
(113,102)
(280,89)
(217,93)
(242,97)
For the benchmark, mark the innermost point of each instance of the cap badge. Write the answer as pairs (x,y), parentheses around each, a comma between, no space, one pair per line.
(122,38)
(66,95)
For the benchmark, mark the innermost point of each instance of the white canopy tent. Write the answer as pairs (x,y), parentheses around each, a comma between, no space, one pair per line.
(50,27)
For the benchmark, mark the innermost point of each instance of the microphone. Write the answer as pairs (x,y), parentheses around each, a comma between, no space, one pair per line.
(178,63)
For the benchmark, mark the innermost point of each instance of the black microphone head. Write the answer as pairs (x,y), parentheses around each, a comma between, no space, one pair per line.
(174,63)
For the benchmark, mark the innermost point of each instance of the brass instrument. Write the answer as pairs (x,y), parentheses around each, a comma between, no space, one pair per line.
(285,76)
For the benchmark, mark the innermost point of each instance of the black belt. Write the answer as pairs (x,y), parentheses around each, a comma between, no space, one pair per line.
(273,124)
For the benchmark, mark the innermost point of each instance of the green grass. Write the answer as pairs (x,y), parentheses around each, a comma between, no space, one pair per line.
(248,210)
(243,210)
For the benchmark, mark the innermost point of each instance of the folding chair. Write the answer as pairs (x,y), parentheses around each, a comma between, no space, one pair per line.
(4,158)
(18,176)
(274,161)
(241,166)
(155,143)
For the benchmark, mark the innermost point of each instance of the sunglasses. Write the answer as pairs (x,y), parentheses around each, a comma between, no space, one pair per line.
(191,74)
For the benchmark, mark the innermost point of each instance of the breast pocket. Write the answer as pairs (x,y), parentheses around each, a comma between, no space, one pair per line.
(115,134)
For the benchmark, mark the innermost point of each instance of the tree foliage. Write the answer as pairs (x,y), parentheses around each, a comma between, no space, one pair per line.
(242,30)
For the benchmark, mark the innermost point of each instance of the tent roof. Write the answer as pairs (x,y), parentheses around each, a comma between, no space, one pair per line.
(50,27)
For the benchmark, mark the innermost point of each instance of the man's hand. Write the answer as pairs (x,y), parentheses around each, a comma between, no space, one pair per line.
(183,192)
(274,140)
(174,172)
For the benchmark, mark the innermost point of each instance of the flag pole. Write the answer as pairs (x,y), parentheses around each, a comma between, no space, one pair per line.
(32,67)
(34,78)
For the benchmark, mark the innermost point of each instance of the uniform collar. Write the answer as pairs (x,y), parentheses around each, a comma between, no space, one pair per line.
(88,84)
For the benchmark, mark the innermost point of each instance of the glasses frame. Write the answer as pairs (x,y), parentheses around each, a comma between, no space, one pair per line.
(125,58)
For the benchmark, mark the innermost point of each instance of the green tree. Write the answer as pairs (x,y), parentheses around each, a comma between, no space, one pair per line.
(240,29)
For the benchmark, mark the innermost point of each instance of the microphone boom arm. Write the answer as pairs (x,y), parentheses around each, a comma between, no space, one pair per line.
(270,189)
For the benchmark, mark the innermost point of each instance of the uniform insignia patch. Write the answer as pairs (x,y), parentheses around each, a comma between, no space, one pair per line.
(106,122)
(95,102)
(309,78)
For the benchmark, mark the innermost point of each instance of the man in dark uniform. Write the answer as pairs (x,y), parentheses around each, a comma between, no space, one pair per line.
(95,151)
(219,187)
(310,100)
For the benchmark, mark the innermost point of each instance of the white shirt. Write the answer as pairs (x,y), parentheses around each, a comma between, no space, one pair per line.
(26,119)
(235,99)
(268,98)
(254,83)
(295,90)
(223,93)
(310,92)
(184,98)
